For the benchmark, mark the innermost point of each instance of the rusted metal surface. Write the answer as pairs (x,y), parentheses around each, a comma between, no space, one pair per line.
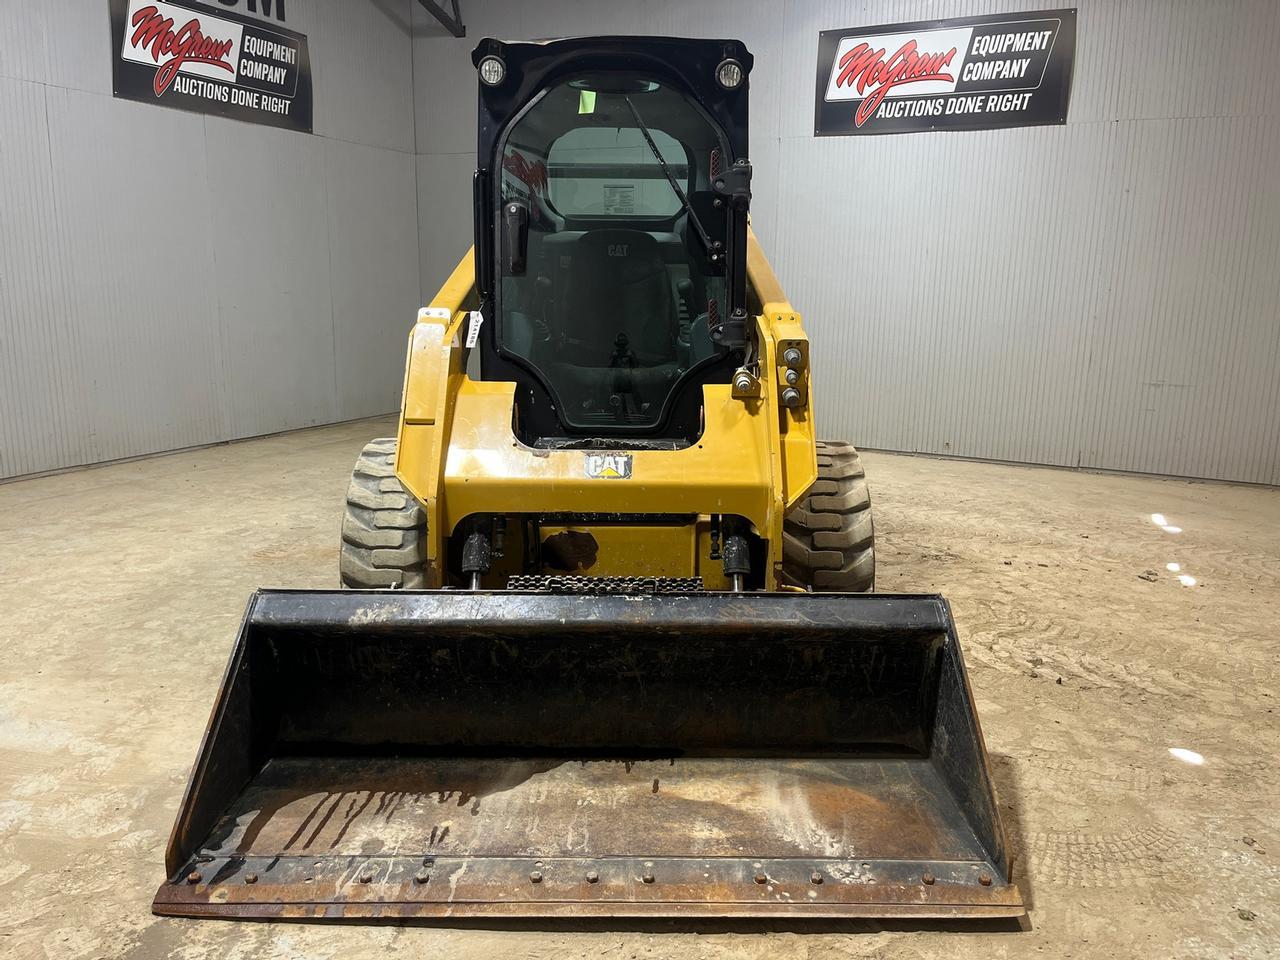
(453,754)
(551,886)
(895,809)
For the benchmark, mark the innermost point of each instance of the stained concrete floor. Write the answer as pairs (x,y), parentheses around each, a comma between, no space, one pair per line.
(121,588)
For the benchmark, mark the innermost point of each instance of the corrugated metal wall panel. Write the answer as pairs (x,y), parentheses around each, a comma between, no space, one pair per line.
(1187,353)
(948,321)
(61,42)
(444,215)
(374,272)
(39,388)
(77,43)
(1101,294)
(1221,52)
(131,201)
(24,59)
(271,268)
(363,72)
(169,280)
(444,100)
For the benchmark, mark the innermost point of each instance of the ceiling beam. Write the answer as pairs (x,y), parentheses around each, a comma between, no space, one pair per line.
(452,22)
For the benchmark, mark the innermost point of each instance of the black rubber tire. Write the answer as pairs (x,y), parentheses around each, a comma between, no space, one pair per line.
(384,529)
(828,541)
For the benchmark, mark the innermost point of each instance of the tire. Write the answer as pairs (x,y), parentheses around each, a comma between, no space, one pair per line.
(384,529)
(828,541)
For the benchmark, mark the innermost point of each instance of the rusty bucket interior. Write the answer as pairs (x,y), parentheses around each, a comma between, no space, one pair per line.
(448,754)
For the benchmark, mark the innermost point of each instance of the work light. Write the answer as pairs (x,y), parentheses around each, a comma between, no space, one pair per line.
(492,70)
(729,74)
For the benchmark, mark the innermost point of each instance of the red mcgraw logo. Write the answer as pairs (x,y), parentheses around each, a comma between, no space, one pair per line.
(865,67)
(171,49)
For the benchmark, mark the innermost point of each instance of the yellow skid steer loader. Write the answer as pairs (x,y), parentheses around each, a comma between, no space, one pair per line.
(606,645)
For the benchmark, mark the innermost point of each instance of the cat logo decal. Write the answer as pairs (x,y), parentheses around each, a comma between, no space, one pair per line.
(609,466)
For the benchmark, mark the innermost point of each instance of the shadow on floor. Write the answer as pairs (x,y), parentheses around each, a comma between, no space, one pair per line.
(1004,773)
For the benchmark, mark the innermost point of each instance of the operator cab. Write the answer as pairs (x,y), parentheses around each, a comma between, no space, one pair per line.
(612,217)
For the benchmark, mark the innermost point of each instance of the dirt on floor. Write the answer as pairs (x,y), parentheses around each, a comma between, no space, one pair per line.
(1091,660)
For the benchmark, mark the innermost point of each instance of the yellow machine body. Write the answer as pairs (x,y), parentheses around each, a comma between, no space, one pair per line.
(458,453)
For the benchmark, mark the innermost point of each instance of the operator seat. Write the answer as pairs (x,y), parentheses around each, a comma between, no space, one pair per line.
(617,283)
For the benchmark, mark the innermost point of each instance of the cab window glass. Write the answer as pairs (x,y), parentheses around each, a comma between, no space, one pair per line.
(611,172)
(616,290)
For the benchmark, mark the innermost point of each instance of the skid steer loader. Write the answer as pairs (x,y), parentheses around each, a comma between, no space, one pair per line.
(605,646)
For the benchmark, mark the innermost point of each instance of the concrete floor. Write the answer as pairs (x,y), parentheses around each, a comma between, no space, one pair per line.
(121,589)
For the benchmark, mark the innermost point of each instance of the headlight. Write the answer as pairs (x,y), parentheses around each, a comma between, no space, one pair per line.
(492,70)
(729,74)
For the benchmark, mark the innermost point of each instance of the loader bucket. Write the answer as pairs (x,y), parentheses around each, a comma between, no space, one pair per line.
(400,754)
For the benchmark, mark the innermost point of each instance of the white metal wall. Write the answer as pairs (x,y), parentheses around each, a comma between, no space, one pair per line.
(1100,294)
(168,279)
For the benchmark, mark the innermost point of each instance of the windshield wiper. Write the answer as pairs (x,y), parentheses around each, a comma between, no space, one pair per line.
(671,179)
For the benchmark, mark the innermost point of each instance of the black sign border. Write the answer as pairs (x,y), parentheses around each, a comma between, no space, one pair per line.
(1066,52)
(124,74)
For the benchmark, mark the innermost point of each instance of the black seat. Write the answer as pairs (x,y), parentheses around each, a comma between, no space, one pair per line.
(616,284)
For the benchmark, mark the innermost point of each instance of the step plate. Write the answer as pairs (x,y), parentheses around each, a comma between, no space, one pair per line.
(602,586)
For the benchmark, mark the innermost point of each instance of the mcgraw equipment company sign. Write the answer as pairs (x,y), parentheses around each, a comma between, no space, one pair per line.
(202,58)
(968,73)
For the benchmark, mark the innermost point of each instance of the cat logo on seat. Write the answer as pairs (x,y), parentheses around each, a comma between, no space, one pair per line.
(609,466)
(618,249)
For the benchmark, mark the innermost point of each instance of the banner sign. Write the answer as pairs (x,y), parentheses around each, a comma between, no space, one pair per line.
(967,73)
(192,56)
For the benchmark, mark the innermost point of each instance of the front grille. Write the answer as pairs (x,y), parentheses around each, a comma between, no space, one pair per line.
(611,417)
(605,585)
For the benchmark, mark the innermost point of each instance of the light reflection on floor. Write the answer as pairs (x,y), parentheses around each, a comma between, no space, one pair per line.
(1161,521)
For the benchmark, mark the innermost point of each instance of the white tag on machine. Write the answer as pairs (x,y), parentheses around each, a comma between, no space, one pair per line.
(473,327)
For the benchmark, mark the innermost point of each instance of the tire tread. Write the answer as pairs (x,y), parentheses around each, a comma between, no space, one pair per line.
(384,529)
(828,539)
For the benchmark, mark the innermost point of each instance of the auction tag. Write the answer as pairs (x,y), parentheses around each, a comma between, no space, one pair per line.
(473,328)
